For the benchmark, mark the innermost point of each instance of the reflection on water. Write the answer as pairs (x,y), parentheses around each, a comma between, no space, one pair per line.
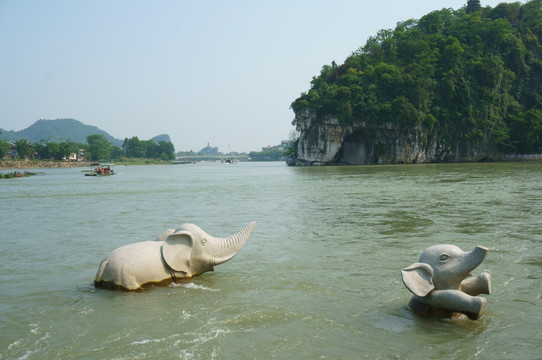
(319,277)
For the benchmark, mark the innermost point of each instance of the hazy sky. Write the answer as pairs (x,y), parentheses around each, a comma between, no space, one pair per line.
(201,71)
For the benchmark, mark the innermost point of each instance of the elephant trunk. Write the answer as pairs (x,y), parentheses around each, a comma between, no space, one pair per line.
(475,258)
(470,261)
(224,249)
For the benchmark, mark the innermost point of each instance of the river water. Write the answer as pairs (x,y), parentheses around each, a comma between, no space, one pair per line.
(318,279)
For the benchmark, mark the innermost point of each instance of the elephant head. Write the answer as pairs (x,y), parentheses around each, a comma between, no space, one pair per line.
(192,251)
(437,280)
(182,253)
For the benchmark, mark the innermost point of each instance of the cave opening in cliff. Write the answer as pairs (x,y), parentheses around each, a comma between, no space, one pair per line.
(356,150)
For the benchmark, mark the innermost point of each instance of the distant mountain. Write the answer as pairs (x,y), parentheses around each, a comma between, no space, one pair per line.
(62,130)
(57,131)
(163,137)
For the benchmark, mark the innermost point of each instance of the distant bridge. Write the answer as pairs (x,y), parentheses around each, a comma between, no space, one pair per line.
(199,158)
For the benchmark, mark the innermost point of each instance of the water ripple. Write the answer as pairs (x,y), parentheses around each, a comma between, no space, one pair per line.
(319,277)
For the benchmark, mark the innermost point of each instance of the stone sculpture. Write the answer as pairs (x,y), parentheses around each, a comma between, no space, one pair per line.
(438,282)
(176,254)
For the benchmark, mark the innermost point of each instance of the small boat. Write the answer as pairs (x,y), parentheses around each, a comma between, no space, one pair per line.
(102,171)
(230,161)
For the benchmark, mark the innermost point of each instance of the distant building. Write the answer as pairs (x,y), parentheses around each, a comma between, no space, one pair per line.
(473,6)
(284,145)
(78,156)
(12,152)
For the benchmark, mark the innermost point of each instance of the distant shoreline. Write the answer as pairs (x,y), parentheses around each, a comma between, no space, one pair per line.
(36,164)
(31,164)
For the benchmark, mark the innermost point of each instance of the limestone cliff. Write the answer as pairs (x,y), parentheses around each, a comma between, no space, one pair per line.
(327,142)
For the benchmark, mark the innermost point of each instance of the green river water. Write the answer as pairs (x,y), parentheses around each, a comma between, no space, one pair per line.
(318,279)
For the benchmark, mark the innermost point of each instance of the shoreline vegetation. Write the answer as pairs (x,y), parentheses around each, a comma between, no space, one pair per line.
(36,164)
(16,174)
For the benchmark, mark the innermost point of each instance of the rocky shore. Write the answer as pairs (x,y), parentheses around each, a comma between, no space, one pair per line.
(31,164)
(328,142)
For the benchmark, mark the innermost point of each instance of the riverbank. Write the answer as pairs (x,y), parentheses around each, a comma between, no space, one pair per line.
(36,164)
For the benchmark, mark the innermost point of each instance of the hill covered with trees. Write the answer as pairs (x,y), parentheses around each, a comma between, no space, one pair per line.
(452,79)
(57,131)
(59,139)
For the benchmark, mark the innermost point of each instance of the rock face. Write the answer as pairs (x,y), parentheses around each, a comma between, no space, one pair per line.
(327,142)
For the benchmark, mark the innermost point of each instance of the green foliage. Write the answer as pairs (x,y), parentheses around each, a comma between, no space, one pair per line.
(462,77)
(4,147)
(16,174)
(527,131)
(270,155)
(99,148)
(166,150)
(67,148)
(135,148)
(116,153)
(292,148)
(24,148)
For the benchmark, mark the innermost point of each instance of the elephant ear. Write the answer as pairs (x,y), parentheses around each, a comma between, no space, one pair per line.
(418,278)
(176,251)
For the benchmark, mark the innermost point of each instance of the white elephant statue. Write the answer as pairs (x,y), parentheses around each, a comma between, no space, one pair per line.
(438,282)
(176,254)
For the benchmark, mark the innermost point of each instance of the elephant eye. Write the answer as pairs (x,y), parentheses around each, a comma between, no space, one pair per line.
(444,257)
(203,241)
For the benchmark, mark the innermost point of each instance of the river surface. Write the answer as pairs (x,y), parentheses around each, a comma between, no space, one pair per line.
(318,279)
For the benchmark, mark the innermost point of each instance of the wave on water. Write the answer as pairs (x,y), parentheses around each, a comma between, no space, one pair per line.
(148,341)
(29,348)
(193,286)
(189,344)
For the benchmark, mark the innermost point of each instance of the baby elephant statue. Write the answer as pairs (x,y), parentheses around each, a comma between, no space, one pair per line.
(176,254)
(439,286)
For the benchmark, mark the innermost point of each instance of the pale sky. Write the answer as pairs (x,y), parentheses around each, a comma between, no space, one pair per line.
(201,71)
